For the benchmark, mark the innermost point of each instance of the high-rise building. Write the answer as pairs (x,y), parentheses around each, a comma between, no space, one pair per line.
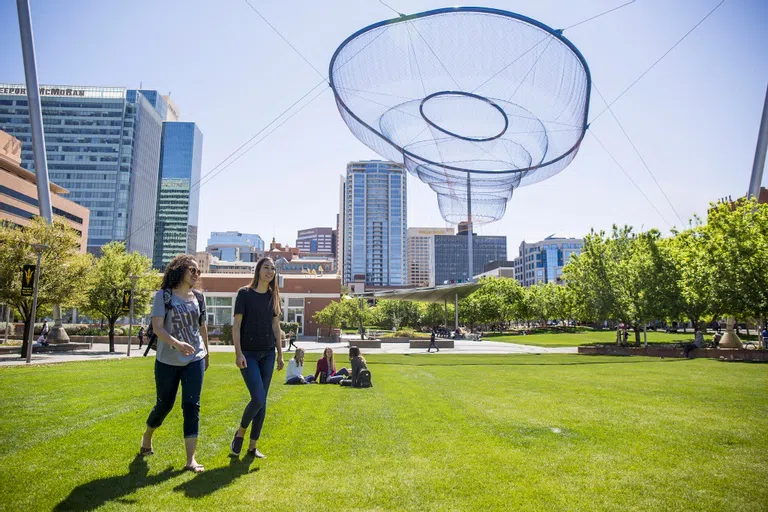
(235,246)
(178,195)
(451,251)
(103,146)
(421,255)
(375,219)
(543,261)
(340,228)
(18,194)
(318,241)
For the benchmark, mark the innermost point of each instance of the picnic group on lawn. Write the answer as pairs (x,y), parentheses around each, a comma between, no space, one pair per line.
(179,332)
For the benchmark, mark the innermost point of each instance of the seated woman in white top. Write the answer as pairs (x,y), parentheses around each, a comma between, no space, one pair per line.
(293,374)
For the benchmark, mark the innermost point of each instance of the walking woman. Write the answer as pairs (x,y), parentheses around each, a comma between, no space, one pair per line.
(178,320)
(255,335)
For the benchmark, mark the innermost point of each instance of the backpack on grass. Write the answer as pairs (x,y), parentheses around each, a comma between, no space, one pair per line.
(364,379)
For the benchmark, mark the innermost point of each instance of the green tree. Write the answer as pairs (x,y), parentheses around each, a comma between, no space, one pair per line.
(391,314)
(63,269)
(434,313)
(330,316)
(109,278)
(588,278)
(470,310)
(355,313)
(736,240)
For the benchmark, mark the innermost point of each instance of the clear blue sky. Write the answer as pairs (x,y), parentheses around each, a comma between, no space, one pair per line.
(694,117)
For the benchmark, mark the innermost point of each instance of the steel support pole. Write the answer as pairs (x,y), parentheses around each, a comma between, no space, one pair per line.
(762,145)
(35,111)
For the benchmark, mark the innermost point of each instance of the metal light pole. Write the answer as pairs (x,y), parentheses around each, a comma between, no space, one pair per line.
(133,279)
(39,248)
(7,319)
(6,325)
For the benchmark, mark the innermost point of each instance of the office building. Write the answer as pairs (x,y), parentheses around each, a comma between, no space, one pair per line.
(178,196)
(543,261)
(421,255)
(317,241)
(18,194)
(235,246)
(375,219)
(451,254)
(103,147)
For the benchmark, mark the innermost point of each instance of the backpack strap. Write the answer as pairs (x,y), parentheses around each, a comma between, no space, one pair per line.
(200,304)
(167,295)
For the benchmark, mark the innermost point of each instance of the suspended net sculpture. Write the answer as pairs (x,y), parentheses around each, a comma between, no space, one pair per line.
(474,101)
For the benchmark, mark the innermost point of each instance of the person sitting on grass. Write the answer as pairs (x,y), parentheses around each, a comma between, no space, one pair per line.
(325,371)
(294,373)
(358,365)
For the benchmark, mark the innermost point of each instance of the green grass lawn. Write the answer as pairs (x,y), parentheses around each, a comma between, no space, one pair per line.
(437,432)
(585,337)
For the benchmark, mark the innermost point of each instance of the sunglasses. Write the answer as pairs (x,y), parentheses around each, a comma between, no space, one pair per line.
(193,271)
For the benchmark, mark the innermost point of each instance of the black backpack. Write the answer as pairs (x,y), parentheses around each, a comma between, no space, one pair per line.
(167,295)
(364,379)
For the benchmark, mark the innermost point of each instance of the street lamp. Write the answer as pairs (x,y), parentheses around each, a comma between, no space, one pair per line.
(38,248)
(133,279)
(5,306)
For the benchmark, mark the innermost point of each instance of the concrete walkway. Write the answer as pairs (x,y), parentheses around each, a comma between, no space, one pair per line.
(100,351)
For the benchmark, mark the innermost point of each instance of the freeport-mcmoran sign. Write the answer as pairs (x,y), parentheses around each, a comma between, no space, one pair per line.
(67,91)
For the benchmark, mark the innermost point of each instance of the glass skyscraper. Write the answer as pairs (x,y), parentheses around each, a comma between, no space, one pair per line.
(451,254)
(375,219)
(103,145)
(178,195)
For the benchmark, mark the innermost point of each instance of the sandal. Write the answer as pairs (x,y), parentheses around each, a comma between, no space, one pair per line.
(197,468)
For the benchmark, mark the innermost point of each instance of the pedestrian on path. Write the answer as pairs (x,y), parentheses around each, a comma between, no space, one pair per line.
(178,320)
(291,340)
(256,336)
(141,336)
(432,342)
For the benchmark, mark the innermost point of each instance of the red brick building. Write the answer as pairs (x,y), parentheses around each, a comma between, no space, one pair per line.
(302,296)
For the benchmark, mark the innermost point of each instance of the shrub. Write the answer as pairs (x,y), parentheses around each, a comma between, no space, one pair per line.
(226,334)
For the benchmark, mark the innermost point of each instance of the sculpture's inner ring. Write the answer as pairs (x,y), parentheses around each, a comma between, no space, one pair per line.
(464,115)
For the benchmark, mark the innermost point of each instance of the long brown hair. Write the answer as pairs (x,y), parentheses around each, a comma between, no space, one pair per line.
(272,284)
(331,364)
(355,352)
(174,272)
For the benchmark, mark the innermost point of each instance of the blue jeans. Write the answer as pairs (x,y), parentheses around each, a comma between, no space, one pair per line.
(297,380)
(167,378)
(257,376)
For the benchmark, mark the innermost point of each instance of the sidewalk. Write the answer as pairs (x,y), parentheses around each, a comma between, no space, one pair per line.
(100,351)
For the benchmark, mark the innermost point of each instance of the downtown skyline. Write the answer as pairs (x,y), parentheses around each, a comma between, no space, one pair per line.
(693,117)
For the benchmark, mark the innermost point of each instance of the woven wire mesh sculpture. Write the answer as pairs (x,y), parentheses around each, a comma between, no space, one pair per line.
(474,101)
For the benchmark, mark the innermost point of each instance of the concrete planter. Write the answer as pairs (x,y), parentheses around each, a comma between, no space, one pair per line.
(365,343)
(729,354)
(394,340)
(441,343)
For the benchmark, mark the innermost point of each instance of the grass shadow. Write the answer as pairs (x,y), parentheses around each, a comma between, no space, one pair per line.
(94,494)
(212,480)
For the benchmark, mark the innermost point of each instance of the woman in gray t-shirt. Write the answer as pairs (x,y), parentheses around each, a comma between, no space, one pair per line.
(178,320)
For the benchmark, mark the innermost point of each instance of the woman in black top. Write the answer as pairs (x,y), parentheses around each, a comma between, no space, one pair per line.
(256,330)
